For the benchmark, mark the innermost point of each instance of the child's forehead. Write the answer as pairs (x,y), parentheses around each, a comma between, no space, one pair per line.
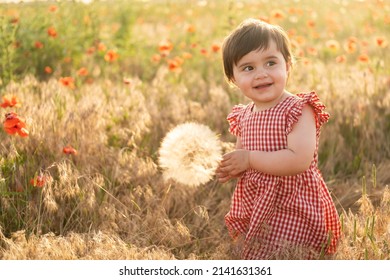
(263,51)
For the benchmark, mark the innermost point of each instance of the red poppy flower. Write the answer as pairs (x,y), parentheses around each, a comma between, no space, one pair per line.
(186,55)
(53,8)
(381,42)
(13,124)
(311,23)
(67,82)
(265,19)
(341,59)
(350,46)
(111,56)
(364,58)
(312,51)
(38,181)
(23,132)
(11,119)
(215,47)
(156,58)
(102,47)
(165,47)
(333,45)
(38,45)
(91,50)
(48,70)
(69,150)
(204,52)
(52,32)
(191,28)
(10,101)
(277,14)
(82,71)
(174,64)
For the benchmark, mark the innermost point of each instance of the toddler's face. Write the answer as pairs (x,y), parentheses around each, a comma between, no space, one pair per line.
(261,75)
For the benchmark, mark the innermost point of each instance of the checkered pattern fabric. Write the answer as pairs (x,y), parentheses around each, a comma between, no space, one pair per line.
(272,211)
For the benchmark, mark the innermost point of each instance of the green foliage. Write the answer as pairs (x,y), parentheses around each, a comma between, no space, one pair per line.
(8,29)
(113,183)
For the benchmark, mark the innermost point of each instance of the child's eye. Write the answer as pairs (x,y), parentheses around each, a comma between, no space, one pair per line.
(247,68)
(271,63)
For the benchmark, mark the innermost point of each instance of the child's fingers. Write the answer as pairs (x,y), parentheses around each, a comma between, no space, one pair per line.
(224,170)
(224,179)
(222,166)
(223,176)
(220,174)
(230,168)
(227,156)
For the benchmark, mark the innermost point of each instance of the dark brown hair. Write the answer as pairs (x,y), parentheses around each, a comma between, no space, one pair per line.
(250,35)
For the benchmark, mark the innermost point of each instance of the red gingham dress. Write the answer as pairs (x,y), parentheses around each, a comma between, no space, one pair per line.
(272,211)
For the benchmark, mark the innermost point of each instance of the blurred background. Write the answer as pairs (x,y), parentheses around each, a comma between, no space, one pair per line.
(98,84)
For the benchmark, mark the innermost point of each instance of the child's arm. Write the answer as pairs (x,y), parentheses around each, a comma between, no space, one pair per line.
(301,142)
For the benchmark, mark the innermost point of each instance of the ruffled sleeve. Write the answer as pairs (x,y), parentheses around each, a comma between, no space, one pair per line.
(296,110)
(234,119)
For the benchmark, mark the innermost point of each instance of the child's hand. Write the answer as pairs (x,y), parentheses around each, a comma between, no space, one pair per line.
(233,165)
(224,177)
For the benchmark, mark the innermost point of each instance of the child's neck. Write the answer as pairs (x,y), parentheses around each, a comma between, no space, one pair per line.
(266,106)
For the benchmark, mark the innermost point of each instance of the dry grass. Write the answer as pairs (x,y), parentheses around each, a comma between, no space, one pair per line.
(77,247)
(110,201)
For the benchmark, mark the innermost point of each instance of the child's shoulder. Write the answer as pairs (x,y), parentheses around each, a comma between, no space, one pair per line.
(241,109)
(235,116)
(299,101)
(308,97)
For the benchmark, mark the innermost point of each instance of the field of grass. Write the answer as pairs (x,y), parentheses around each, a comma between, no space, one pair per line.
(96,87)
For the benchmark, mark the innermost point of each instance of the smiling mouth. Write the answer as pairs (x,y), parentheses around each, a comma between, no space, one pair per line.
(263,86)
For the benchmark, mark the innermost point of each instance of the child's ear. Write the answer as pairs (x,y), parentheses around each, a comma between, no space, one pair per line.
(288,66)
(288,70)
(231,81)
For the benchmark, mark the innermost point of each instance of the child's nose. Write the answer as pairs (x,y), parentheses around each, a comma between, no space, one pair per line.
(261,74)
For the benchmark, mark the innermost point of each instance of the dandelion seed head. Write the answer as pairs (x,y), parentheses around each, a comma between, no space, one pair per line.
(190,153)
